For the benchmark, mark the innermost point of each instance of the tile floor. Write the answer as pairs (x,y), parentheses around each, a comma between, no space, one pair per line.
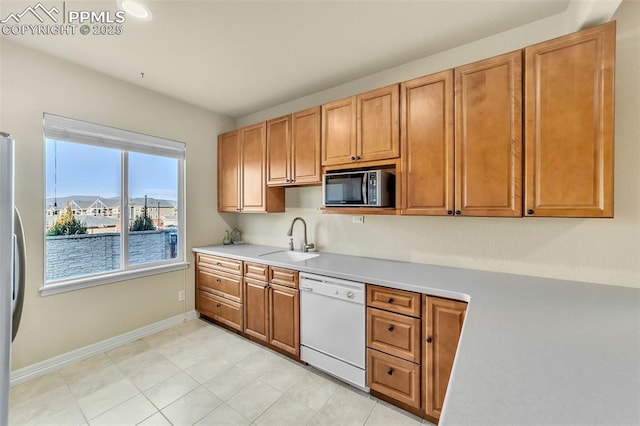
(196,373)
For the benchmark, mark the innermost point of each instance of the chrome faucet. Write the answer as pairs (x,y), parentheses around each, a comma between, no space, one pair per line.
(306,246)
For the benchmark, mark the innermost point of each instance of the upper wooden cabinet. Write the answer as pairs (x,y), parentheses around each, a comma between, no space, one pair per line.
(427,145)
(488,144)
(442,319)
(569,83)
(361,128)
(293,149)
(229,172)
(242,173)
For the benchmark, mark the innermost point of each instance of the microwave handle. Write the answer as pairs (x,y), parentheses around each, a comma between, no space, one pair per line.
(364,188)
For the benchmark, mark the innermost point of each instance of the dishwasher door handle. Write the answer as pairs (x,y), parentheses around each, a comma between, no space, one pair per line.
(310,289)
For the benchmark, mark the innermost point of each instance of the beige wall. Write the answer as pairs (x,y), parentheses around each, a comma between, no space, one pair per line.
(33,83)
(595,250)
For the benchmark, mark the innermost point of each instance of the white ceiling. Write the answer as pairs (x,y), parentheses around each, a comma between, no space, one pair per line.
(239,57)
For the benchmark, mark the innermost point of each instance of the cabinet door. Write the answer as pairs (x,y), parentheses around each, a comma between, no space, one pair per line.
(569,124)
(488,146)
(256,309)
(279,151)
(253,157)
(427,145)
(228,172)
(339,132)
(378,130)
(305,165)
(443,320)
(284,318)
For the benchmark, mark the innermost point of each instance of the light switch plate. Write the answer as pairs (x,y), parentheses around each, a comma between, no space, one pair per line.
(357,219)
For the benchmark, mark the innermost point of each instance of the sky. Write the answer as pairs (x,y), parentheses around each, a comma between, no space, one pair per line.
(76,169)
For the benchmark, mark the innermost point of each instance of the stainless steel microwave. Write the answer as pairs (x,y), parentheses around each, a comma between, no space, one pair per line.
(366,188)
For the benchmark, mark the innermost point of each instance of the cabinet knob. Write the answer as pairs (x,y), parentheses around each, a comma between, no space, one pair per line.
(390,371)
(358,157)
(390,328)
(458,212)
(530,211)
(449,212)
(217,305)
(218,280)
(429,339)
(218,264)
(353,158)
(390,300)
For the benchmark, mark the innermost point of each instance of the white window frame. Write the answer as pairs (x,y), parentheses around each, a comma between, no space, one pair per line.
(70,130)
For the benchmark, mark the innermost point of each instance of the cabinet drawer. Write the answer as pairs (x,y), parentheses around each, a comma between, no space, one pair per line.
(399,301)
(219,309)
(394,334)
(229,286)
(223,264)
(394,377)
(256,271)
(285,277)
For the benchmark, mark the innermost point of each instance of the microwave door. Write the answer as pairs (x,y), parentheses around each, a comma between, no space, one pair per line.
(342,190)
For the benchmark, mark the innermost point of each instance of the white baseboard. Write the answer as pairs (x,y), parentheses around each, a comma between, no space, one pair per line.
(57,362)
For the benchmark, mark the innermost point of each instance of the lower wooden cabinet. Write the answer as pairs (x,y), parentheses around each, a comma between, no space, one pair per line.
(443,320)
(272,309)
(394,377)
(220,309)
(256,309)
(284,318)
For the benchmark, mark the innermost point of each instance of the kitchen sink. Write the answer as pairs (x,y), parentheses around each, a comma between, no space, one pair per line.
(289,256)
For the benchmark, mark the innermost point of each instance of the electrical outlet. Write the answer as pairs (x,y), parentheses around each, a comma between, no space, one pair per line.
(357,219)
(180,295)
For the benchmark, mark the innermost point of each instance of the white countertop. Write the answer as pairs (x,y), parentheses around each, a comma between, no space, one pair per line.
(533,351)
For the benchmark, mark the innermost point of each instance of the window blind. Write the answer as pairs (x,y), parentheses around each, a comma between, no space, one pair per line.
(66,129)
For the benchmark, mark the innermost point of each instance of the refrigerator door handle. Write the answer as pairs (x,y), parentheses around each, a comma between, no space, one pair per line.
(19,272)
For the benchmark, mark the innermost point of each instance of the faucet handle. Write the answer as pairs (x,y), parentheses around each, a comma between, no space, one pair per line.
(290,243)
(308,247)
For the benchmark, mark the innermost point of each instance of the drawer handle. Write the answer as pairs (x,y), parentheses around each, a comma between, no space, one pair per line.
(390,371)
(390,328)
(429,339)
(390,300)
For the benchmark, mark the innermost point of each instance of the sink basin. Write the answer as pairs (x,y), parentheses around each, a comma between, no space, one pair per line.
(289,256)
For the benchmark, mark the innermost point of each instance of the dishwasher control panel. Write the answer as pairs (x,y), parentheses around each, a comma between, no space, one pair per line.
(351,291)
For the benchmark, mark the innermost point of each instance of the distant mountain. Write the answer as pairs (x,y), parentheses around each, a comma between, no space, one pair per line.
(86,200)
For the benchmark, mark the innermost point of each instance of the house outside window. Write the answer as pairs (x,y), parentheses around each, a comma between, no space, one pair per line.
(114,205)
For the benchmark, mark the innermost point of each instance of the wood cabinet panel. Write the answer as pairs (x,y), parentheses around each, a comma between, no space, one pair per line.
(228,171)
(282,276)
(228,286)
(339,131)
(395,377)
(256,271)
(378,130)
(399,301)
(253,143)
(284,319)
(443,321)
(256,309)
(223,264)
(395,334)
(220,309)
(305,147)
(279,150)
(488,144)
(569,84)
(428,145)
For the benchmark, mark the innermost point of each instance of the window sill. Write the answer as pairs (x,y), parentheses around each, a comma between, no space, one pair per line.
(93,281)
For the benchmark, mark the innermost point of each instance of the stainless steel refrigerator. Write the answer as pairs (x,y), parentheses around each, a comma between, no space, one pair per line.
(12,272)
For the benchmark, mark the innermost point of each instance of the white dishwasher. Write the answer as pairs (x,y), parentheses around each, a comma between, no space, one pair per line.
(332,327)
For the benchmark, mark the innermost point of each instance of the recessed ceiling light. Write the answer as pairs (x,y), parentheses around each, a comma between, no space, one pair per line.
(135,9)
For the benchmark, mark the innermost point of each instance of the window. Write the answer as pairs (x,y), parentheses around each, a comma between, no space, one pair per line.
(114,204)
